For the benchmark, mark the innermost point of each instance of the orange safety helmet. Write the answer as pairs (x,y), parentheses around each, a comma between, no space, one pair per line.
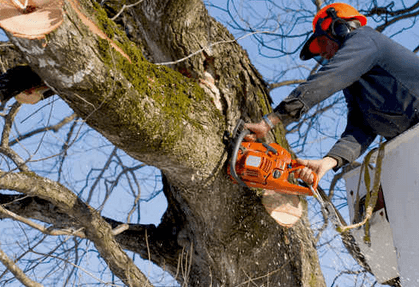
(322,21)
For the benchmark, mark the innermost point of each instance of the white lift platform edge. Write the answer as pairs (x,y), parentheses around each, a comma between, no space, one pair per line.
(394,248)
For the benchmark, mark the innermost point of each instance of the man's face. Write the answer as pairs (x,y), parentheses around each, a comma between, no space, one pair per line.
(328,47)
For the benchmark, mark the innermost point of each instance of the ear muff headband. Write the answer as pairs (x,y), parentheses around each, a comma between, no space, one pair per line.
(338,28)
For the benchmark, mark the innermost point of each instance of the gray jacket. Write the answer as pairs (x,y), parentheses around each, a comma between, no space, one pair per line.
(380,81)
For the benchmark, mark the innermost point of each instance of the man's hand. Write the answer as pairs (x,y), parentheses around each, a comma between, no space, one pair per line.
(261,129)
(319,166)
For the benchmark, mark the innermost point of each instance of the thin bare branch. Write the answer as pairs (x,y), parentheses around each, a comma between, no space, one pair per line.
(4,145)
(125,7)
(99,177)
(43,229)
(53,128)
(319,4)
(285,83)
(78,267)
(212,45)
(19,274)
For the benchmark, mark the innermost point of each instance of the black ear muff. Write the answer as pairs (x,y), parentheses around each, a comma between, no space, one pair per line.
(339,28)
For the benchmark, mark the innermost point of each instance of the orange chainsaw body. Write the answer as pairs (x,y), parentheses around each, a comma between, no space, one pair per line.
(266,166)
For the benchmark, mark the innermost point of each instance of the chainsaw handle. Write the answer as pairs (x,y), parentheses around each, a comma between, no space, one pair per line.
(296,166)
(233,160)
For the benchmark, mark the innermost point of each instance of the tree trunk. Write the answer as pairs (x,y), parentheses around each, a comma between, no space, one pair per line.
(173,117)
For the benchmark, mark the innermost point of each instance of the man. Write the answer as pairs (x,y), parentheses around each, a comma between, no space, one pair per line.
(379,78)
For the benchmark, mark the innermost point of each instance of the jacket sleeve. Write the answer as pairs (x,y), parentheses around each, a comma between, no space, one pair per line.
(354,141)
(358,54)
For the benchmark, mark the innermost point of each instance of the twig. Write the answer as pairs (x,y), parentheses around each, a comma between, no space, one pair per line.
(53,128)
(65,147)
(269,273)
(43,229)
(120,228)
(8,122)
(137,197)
(285,83)
(4,145)
(123,8)
(338,176)
(29,250)
(357,272)
(212,45)
(99,177)
(19,274)
(78,267)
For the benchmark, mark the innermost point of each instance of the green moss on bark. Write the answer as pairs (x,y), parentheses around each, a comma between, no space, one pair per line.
(156,88)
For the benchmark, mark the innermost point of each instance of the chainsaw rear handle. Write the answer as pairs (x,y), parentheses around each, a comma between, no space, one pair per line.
(296,166)
(290,188)
(233,160)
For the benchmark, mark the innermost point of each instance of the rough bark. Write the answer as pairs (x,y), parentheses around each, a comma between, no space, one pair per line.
(172,118)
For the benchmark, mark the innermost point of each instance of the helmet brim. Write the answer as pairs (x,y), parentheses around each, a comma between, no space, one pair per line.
(311,48)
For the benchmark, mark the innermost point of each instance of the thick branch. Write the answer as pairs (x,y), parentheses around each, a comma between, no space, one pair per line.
(10,56)
(153,113)
(162,247)
(95,228)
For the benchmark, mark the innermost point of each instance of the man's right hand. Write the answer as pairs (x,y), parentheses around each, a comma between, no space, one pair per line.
(318,166)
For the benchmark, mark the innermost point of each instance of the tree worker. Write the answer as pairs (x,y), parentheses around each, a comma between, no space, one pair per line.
(379,78)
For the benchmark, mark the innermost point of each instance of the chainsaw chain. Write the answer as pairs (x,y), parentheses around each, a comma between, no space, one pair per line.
(329,209)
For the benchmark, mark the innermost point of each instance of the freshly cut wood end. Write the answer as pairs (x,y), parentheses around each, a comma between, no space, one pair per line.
(285,209)
(32,96)
(31,19)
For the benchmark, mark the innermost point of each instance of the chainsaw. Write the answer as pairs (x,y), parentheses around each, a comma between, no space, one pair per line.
(269,166)
(262,165)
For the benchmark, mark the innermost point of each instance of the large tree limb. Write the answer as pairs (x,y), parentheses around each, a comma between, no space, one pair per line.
(162,247)
(95,228)
(108,85)
(10,56)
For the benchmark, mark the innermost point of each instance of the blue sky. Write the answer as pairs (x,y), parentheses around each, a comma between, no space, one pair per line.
(151,211)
